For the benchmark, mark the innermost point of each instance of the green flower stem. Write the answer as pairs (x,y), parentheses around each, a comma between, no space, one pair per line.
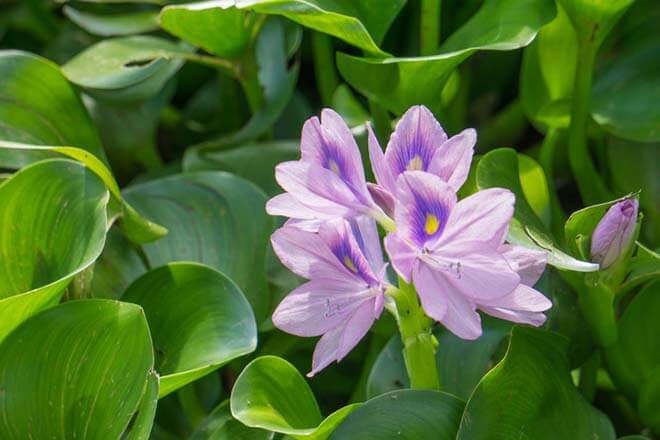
(590,184)
(429,29)
(419,344)
(589,376)
(247,77)
(324,67)
(547,160)
(596,301)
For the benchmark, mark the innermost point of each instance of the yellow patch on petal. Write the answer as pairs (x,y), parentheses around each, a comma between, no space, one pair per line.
(349,264)
(334,167)
(415,164)
(431,225)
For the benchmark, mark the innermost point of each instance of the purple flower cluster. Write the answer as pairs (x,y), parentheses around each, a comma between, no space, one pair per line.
(452,251)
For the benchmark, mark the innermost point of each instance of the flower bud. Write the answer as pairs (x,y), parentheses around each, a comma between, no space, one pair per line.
(613,234)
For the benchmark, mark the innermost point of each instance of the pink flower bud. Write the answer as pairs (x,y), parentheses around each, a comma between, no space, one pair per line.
(613,234)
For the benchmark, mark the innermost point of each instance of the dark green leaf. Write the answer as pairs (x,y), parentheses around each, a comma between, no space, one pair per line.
(406,415)
(220,425)
(199,320)
(530,395)
(213,218)
(111,25)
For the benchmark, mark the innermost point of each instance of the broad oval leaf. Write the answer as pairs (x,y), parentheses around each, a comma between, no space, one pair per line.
(216,26)
(53,227)
(406,415)
(115,24)
(86,378)
(499,168)
(213,218)
(126,68)
(398,83)
(199,321)
(361,23)
(271,394)
(39,106)
(530,395)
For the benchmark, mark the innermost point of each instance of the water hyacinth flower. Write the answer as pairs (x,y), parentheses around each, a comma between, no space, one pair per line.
(344,295)
(420,144)
(614,233)
(328,181)
(454,254)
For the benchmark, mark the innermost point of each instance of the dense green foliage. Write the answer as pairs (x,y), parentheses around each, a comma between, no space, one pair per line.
(138,142)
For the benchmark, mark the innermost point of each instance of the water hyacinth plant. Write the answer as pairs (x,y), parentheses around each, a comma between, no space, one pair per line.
(329,219)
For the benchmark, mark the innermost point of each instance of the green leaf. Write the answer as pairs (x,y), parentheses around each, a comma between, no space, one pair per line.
(626,94)
(195,333)
(548,72)
(535,187)
(277,82)
(213,218)
(406,415)
(86,378)
(117,267)
(398,83)
(593,19)
(111,25)
(137,228)
(361,23)
(126,68)
(255,161)
(461,363)
(643,266)
(217,27)
(53,227)
(499,168)
(636,354)
(649,400)
(530,395)
(271,394)
(220,425)
(39,106)
(144,420)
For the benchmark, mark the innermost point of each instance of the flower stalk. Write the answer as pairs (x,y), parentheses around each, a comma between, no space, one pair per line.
(429,36)
(419,344)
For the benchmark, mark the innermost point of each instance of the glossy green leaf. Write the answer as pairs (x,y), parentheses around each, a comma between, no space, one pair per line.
(362,23)
(53,227)
(39,106)
(535,187)
(271,394)
(136,227)
(398,83)
(85,380)
(626,94)
(548,72)
(255,162)
(643,266)
(277,83)
(461,363)
(220,425)
(111,25)
(499,168)
(213,218)
(636,354)
(530,395)
(126,68)
(216,26)
(191,340)
(144,420)
(405,414)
